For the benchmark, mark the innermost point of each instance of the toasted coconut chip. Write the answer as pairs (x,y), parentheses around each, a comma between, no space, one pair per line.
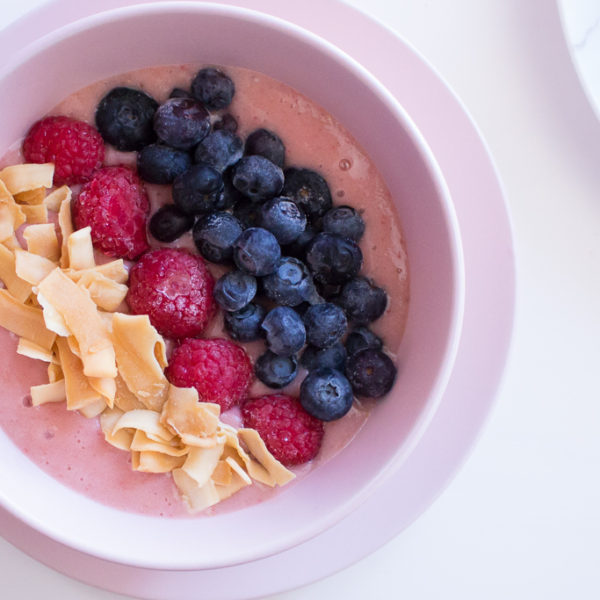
(18,288)
(105,292)
(55,198)
(35,215)
(146,421)
(257,448)
(142,443)
(239,480)
(22,178)
(55,372)
(32,197)
(106,387)
(12,243)
(93,410)
(114,270)
(81,250)
(124,399)
(11,215)
(197,498)
(42,240)
(32,268)
(31,350)
(201,462)
(155,462)
(48,392)
(122,438)
(66,229)
(222,474)
(52,318)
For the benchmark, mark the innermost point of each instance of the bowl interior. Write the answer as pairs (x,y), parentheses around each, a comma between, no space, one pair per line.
(180,32)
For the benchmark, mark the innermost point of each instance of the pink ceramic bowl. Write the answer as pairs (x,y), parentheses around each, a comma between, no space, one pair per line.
(179,32)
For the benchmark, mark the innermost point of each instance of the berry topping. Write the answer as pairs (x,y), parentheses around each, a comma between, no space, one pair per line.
(214,236)
(290,283)
(344,221)
(168,223)
(245,325)
(227,122)
(248,213)
(114,204)
(197,190)
(219,149)
(268,144)
(333,357)
(229,196)
(181,122)
(325,324)
(234,290)
(257,178)
(175,289)
(213,88)
(362,300)
(333,259)
(125,117)
(219,369)
(275,371)
(284,330)
(180,93)
(298,247)
(371,373)
(326,394)
(283,219)
(291,435)
(308,190)
(161,164)
(256,251)
(75,148)
(362,338)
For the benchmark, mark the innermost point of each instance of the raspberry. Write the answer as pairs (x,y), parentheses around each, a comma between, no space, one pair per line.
(75,148)
(289,432)
(115,205)
(175,289)
(219,369)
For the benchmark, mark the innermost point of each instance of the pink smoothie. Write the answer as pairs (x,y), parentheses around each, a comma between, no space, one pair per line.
(71,448)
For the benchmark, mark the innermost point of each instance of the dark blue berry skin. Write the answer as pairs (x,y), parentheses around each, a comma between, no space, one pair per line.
(180,93)
(213,88)
(181,122)
(333,259)
(362,300)
(227,122)
(256,251)
(308,190)
(161,164)
(248,213)
(290,284)
(362,338)
(234,290)
(168,223)
(297,248)
(197,190)
(276,371)
(333,357)
(329,291)
(326,394)
(219,149)
(371,373)
(214,236)
(285,331)
(344,221)
(268,144)
(283,219)
(257,178)
(245,325)
(229,196)
(325,324)
(124,118)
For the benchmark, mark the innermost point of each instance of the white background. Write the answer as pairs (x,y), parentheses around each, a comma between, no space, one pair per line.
(521,520)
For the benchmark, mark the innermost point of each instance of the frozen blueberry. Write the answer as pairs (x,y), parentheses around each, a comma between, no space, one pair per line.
(276,371)
(228,196)
(290,283)
(219,149)
(181,122)
(244,325)
(227,122)
(124,118)
(180,93)
(256,251)
(213,88)
(197,190)
(257,178)
(371,373)
(297,248)
(168,223)
(214,236)
(248,213)
(268,144)
(234,290)
(283,219)
(362,300)
(284,331)
(326,394)
(362,338)
(329,291)
(161,164)
(333,259)
(344,221)
(333,357)
(308,190)
(325,324)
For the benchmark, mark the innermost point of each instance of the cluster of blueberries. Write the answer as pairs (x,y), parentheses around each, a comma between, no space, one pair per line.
(278,228)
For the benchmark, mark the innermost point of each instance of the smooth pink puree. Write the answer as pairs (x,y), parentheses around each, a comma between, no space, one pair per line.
(70,447)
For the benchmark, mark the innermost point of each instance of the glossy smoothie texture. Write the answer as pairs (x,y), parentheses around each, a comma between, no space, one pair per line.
(71,448)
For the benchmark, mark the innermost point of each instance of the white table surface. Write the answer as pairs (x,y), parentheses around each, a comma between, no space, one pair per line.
(522,518)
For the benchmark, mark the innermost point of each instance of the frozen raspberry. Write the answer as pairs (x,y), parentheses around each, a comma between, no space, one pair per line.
(219,369)
(175,289)
(75,148)
(115,205)
(289,432)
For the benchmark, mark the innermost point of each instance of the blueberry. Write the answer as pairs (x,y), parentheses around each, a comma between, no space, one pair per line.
(284,331)
(333,357)
(229,196)
(344,221)
(276,371)
(308,190)
(333,259)
(362,338)
(181,122)
(297,248)
(197,190)
(227,122)
(124,118)
(257,178)
(244,325)
(213,88)
(248,213)
(180,93)
(234,290)
(168,223)
(162,164)
(290,284)
(329,291)
(283,219)
(325,324)
(371,373)
(362,300)
(220,149)
(268,144)
(326,394)
(256,251)
(214,236)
